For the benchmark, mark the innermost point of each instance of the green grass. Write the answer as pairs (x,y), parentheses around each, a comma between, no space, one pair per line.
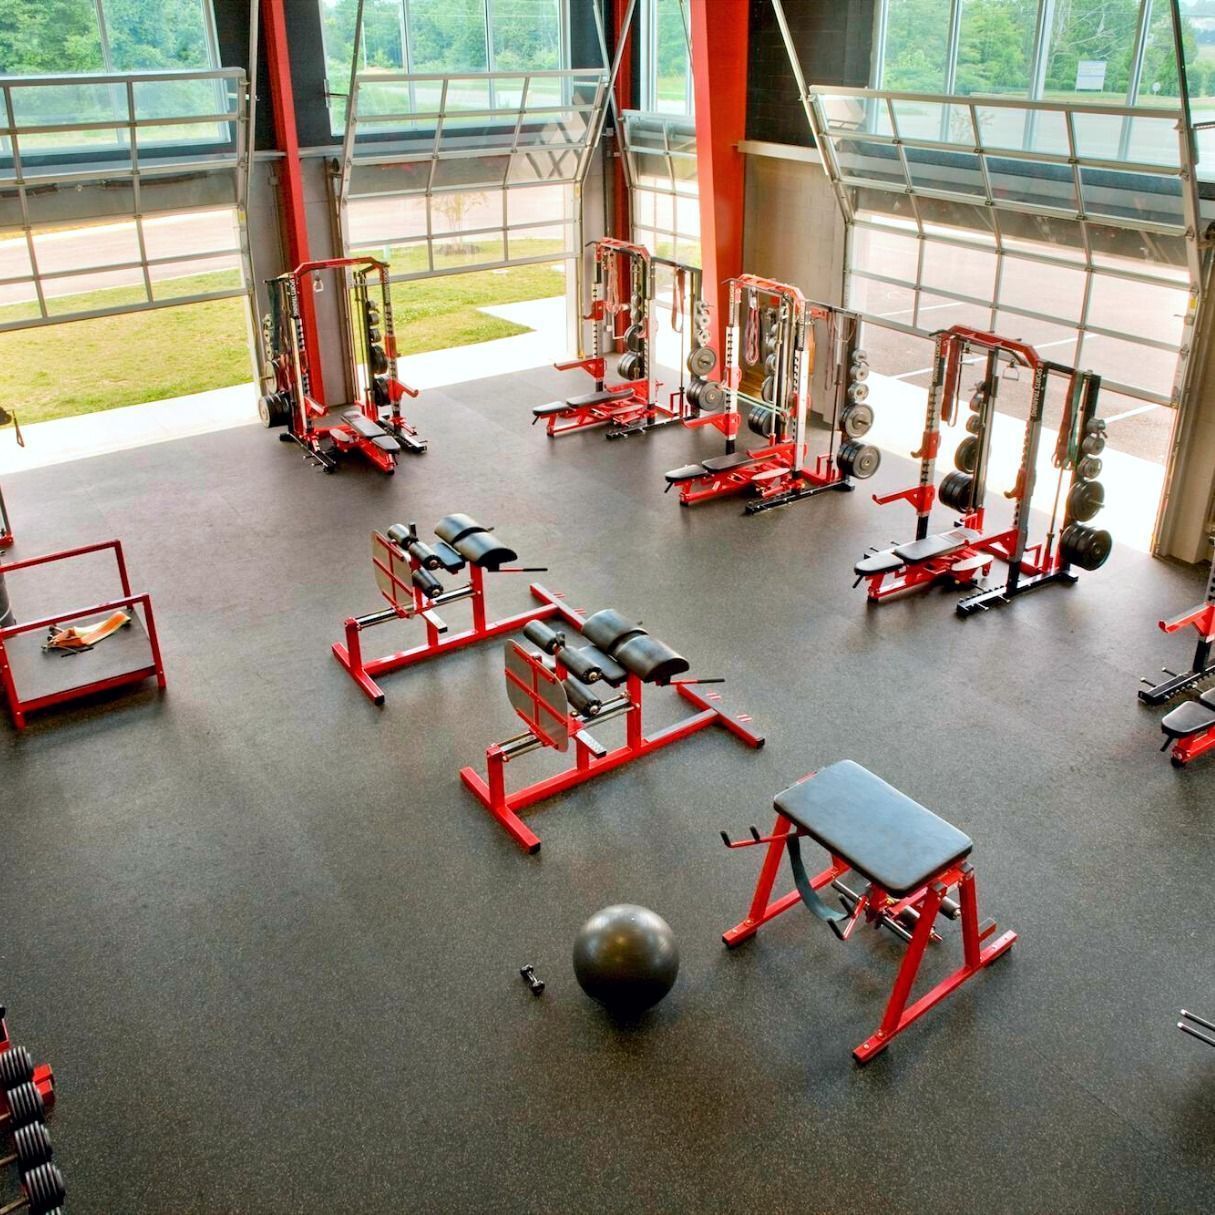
(60,371)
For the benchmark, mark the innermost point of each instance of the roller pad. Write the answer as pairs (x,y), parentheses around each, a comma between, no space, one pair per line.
(581,697)
(482,549)
(424,555)
(427,583)
(608,629)
(452,528)
(880,832)
(651,660)
(591,665)
(544,638)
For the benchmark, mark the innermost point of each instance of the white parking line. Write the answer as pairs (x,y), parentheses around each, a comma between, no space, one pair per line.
(925,308)
(1130,413)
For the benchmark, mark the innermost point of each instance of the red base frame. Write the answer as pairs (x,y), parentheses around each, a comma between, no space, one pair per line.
(364,672)
(505,807)
(633,410)
(18,707)
(924,902)
(1187,749)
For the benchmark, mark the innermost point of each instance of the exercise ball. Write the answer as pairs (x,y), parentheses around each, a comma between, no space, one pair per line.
(626,958)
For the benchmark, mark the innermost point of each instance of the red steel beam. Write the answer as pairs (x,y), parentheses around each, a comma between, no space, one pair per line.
(290,174)
(719,78)
(622,224)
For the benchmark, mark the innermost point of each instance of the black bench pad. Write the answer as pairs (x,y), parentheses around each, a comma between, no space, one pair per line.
(598,398)
(878,563)
(1190,718)
(880,832)
(725,463)
(689,472)
(936,546)
(547,411)
(367,429)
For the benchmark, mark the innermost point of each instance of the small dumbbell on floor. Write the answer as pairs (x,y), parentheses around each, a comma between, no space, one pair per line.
(42,1192)
(31,1147)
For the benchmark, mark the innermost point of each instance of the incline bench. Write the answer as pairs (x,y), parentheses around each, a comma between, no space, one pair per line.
(909,859)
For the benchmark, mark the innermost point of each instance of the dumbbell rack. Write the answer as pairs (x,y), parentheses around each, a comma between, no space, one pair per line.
(27,1094)
(779,471)
(1203,666)
(539,698)
(403,569)
(630,405)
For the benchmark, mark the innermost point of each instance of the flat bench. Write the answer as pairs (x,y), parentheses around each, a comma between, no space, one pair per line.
(908,856)
(588,401)
(916,552)
(365,428)
(706,468)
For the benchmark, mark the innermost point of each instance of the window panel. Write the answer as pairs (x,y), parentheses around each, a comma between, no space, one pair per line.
(950,267)
(152,37)
(1092,47)
(892,254)
(916,51)
(1039,287)
(672,79)
(447,36)
(526,34)
(996,46)
(1138,309)
(881,299)
(91,292)
(1130,363)
(538,205)
(196,277)
(81,248)
(50,39)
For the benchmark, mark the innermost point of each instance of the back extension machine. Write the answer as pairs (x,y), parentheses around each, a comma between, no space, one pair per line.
(405,571)
(1203,620)
(374,425)
(909,859)
(630,406)
(961,554)
(559,690)
(779,343)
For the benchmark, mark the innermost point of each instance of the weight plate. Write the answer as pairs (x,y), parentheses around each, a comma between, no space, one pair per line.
(770,364)
(631,367)
(761,421)
(770,343)
(635,302)
(856,420)
(634,338)
(973,424)
(702,360)
(859,460)
(1093,445)
(978,398)
(379,360)
(1089,468)
(767,389)
(1095,426)
(956,490)
(966,458)
(860,355)
(858,392)
(692,392)
(1087,547)
(712,397)
(859,373)
(1085,499)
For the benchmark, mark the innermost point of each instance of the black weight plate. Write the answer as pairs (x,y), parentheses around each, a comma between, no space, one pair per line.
(1089,468)
(956,489)
(712,397)
(856,419)
(859,460)
(1093,445)
(966,458)
(770,365)
(1087,547)
(634,337)
(761,420)
(973,424)
(1085,499)
(702,360)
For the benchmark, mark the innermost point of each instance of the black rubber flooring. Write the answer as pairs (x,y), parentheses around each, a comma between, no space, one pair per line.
(271,945)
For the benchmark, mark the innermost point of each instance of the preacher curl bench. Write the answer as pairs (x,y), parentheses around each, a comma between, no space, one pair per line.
(405,571)
(582,686)
(908,857)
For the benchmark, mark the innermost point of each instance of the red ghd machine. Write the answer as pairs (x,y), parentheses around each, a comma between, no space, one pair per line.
(1202,618)
(560,691)
(622,311)
(909,859)
(373,426)
(406,569)
(961,554)
(778,341)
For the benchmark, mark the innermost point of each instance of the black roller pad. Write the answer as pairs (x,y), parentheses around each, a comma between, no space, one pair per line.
(651,660)
(880,832)
(452,528)
(581,697)
(608,629)
(482,549)
(591,665)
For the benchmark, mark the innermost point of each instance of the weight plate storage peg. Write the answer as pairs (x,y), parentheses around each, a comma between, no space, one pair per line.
(859,460)
(856,419)
(702,360)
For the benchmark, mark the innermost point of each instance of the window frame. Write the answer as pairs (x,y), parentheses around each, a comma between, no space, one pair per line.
(648,16)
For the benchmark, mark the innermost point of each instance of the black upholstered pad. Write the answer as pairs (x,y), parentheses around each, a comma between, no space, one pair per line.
(879,831)
(936,546)
(1190,718)
(367,429)
(878,563)
(651,660)
(482,549)
(1208,698)
(689,472)
(725,463)
(598,398)
(547,411)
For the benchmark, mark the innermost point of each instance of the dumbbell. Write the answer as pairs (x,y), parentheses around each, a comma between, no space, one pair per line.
(17,1068)
(42,1192)
(23,1105)
(31,1147)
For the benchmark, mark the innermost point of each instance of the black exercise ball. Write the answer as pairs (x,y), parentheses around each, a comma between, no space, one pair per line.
(626,958)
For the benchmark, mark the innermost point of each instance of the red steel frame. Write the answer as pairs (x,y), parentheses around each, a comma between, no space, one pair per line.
(290,175)
(43,1079)
(1203,620)
(588,763)
(925,902)
(19,707)
(965,564)
(720,32)
(777,469)
(413,603)
(641,404)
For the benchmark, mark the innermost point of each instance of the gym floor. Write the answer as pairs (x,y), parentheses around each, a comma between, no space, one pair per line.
(271,945)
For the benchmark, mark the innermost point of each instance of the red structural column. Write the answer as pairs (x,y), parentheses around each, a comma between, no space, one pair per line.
(290,174)
(719,77)
(624,101)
